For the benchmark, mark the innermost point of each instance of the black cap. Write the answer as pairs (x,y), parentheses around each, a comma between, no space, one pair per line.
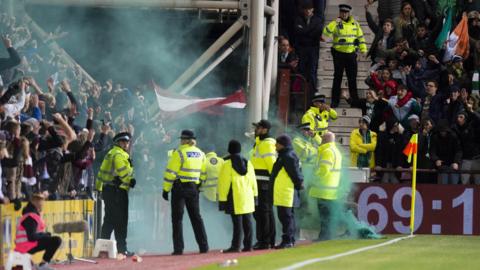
(187,135)
(234,147)
(366,119)
(457,58)
(304,126)
(284,140)
(307,4)
(122,136)
(345,8)
(263,123)
(319,98)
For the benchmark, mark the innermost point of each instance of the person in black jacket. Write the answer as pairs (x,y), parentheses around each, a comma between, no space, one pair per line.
(286,56)
(372,106)
(467,130)
(12,60)
(308,30)
(286,180)
(384,37)
(446,153)
(35,232)
(388,153)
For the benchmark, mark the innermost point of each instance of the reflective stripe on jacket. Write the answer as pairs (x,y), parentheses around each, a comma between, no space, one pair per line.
(347,36)
(22,244)
(319,120)
(116,164)
(263,157)
(214,164)
(187,164)
(327,175)
(243,188)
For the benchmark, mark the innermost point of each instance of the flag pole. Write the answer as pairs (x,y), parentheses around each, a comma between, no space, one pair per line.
(414,184)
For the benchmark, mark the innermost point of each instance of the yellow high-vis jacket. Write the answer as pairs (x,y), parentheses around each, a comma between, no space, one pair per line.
(243,188)
(357,147)
(116,164)
(209,188)
(319,120)
(263,157)
(306,148)
(327,174)
(347,35)
(187,164)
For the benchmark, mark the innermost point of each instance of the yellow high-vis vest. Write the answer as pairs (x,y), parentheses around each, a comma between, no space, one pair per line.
(319,120)
(116,164)
(327,174)
(347,35)
(306,148)
(187,164)
(263,156)
(214,164)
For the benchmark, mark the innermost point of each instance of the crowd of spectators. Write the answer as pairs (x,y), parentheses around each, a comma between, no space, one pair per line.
(56,124)
(413,86)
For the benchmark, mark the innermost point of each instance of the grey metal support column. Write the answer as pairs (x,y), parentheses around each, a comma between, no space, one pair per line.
(215,47)
(256,61)
(267,89)
(276,7)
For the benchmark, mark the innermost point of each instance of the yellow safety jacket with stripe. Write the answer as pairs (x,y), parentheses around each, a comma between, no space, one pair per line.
(347,35)
(115,167)
(306,148)
(319,120)
(263,156)
(327,174)
(214,164)
(187,165)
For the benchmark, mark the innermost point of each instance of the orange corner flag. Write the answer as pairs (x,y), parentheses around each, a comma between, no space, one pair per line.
(411,147)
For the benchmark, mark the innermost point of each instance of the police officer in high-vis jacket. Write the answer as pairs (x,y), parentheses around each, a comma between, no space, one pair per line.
(263,157)
(319,115)
(214,164)
(114,180)
(347,38)
(326,186)
(185,172)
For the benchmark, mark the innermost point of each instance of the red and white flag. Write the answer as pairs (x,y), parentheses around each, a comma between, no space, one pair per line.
(182,105)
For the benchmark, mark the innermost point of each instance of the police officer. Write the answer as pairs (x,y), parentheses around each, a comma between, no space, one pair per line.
(214,164)
(287,180)
(263,157)
(347,38)
(306,143)
(327,180)
(114,180)
(185,172)
(319,115)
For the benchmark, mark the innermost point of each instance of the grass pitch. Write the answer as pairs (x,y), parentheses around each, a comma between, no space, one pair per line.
(421,252)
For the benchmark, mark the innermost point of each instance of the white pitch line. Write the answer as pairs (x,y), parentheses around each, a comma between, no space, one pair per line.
(336,256)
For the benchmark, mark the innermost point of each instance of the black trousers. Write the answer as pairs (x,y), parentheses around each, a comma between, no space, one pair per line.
(49,244)
(326,208)
(344,62)
(242,223)
(187,194)
(286,217)
(265,221)
(308,65)
(116,216)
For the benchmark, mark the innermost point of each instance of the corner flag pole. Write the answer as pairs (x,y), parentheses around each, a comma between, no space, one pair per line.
(414,183)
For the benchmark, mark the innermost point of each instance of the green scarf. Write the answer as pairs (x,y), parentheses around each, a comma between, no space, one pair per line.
(363,160)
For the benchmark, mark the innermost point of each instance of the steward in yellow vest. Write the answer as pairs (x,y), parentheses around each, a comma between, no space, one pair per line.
(287,180)
(237,190)
(263,157)
(326,183)
(209,188)
(319,115)
(185,172)
(306,143)
(114,180)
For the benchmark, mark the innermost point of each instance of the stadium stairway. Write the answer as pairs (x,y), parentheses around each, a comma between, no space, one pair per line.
(347,117)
